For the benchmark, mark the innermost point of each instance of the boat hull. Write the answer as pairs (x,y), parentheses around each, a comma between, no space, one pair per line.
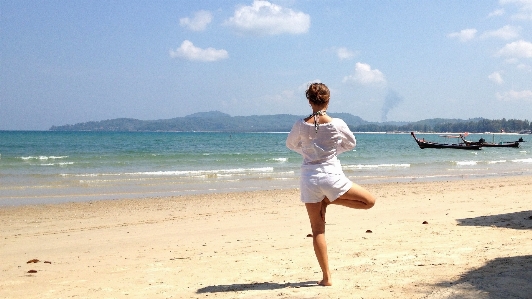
(427,144)
(490,144)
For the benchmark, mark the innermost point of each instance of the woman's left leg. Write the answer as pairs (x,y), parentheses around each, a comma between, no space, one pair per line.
(356,197)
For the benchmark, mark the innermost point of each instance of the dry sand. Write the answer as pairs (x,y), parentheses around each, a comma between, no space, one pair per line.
(476,243)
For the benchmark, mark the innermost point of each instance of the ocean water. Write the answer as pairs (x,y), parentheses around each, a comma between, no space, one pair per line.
(52,167)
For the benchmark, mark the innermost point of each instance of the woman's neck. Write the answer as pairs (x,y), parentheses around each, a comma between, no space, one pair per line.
(318,108)
(319,112)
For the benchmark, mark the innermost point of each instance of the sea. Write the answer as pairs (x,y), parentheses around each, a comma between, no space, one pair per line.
(47,167)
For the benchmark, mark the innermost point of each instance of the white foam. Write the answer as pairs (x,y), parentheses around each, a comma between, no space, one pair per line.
(362,166)
(280,159)
(466,163)
(89,174)
(285,172)
(43,158)
(529,160)
(235,171)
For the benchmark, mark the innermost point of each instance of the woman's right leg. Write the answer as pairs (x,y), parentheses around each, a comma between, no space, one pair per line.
(318,240)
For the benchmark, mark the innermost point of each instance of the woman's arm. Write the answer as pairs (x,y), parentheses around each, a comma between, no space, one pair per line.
(293,141)
(347,139)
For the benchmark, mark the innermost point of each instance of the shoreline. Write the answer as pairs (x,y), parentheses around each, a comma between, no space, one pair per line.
(87,167)
(476,243)
(165,189)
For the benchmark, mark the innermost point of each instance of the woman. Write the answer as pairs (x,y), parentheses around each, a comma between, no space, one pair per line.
(319,138)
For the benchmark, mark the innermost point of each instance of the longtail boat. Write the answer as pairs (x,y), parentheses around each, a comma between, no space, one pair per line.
(427,144)
(482,142)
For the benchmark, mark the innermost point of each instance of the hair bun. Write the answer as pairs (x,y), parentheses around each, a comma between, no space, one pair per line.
(318,93)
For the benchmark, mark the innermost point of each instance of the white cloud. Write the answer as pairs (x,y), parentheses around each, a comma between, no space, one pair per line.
(511,61)
(200,21)
(496,77)
(524,6)
(265,18)
(365,75)
(464,35)
(506,32)
(524,67)
(187,50)
(512,95)
(518,49)
(344,53)
(496,13)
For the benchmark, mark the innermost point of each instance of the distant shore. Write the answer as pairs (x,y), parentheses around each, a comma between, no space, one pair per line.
(216,121)
(446,239)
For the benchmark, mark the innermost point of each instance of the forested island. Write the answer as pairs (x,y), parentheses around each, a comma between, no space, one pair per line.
(216,121)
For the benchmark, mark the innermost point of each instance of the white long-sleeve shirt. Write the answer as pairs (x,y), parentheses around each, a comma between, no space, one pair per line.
(323,147)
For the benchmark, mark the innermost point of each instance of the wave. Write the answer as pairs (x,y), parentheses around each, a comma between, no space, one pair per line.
(180,173)
(471,163)
(498,161)
(60,164)
(43,158)
(234,171)
(529,160)
(279,159)
(376,166)
(466,163)
(90,175)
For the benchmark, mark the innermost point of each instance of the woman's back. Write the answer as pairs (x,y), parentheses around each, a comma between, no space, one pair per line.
(323,145)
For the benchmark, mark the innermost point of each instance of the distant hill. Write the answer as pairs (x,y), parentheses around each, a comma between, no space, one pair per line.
(210,114)
(216,121)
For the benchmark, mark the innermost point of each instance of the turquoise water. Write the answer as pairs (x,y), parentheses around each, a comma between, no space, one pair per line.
(50,167)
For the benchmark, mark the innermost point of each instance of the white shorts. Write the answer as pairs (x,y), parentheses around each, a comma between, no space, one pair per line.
(317,185)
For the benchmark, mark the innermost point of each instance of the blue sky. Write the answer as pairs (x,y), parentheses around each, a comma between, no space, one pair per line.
(64,62)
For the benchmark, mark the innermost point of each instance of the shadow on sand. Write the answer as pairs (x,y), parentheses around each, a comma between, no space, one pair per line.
(517,220)
(501,278)
(257,286)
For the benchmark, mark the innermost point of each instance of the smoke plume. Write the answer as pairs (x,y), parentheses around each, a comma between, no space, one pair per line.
(391,100)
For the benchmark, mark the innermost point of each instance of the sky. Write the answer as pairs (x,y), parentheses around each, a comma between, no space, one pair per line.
(66,62)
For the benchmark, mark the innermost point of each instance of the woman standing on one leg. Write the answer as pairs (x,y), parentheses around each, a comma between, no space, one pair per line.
(320,138)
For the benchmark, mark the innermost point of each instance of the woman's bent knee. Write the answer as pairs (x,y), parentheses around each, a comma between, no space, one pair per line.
(370,202)
(365,196)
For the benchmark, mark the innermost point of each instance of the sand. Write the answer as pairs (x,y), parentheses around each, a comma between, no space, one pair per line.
(459,239)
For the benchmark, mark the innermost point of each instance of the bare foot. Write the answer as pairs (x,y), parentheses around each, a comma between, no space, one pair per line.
(325,283)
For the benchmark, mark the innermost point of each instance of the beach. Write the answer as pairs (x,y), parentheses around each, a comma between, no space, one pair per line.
(467,238)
